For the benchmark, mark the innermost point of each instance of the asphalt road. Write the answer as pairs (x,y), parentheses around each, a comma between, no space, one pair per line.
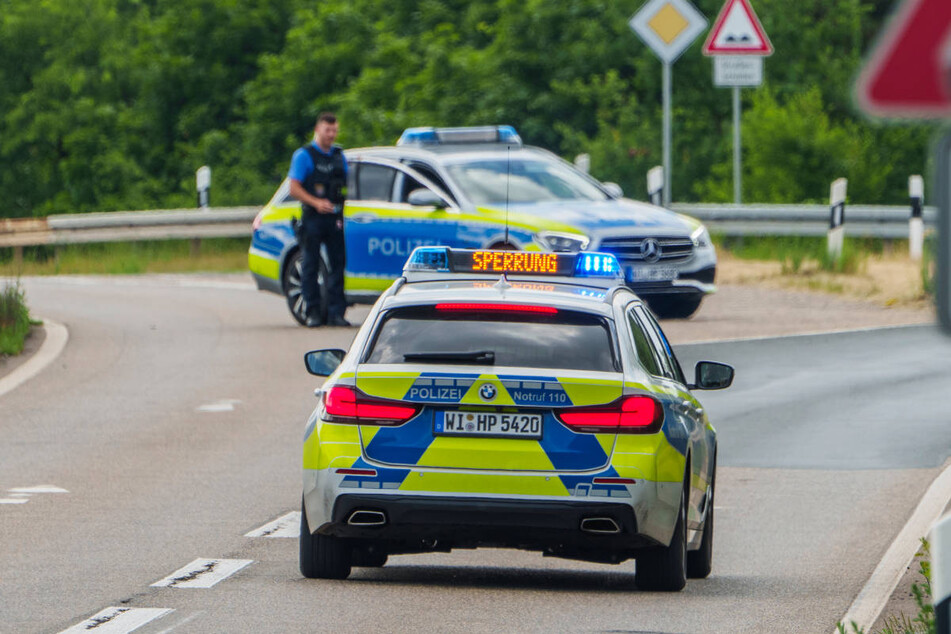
(173,419)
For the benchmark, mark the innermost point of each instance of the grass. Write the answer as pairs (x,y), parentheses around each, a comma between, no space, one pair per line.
(921,623)
(127,258)
(14,319)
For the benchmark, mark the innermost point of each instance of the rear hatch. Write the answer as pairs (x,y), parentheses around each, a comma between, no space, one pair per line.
(488,387)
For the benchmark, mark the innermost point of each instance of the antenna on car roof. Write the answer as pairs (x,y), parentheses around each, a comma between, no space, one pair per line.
(508,176)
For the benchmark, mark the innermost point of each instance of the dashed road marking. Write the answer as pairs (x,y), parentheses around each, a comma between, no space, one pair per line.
(284,526)
(224,405)
(12,500)
(202,573)
(43,488)
(117,620)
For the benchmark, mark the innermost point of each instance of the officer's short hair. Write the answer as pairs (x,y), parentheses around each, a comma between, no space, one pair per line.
(326,117)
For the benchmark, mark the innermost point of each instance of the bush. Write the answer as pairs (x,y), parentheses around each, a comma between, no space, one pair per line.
(14,319)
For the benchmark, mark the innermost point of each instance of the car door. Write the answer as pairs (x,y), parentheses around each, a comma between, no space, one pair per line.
(382,227)
(685,406)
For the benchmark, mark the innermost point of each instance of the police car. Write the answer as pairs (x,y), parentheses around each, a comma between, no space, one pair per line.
(510,399)
(481,188)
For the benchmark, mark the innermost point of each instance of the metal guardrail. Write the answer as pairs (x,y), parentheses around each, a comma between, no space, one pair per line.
(121,226)
(876,221)
(861,221)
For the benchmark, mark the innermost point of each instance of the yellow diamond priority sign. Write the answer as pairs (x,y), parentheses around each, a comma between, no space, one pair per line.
(668,27)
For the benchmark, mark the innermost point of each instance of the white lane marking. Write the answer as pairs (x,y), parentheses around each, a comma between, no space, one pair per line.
(284,526)
(14,500)
(187,619)
(224,405)
(879,588)
(118,620)
(817,333)
(53,344)
(202,573)
(42,488)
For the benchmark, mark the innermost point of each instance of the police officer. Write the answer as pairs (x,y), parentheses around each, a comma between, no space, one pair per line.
(318,177)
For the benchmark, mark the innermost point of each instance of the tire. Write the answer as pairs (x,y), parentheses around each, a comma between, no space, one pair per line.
(662,568)
(322,556)
(674,307)
(292,287)
(700,561)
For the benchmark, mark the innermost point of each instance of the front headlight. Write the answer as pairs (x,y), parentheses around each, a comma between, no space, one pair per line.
(701,238)
(556,241)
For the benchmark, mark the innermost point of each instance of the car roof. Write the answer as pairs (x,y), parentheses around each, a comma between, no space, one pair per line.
(431,151)
(534,291)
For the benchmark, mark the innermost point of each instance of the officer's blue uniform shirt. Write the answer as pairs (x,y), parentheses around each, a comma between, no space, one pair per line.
(302,165)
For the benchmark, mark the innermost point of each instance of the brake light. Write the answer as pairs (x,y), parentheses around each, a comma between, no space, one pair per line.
(627,415)
(470,307)
(347,405)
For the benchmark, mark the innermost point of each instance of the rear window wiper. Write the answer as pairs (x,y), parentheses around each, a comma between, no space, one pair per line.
(482,357)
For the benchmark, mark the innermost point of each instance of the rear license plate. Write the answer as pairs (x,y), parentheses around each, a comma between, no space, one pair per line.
(488,424)
(651,273)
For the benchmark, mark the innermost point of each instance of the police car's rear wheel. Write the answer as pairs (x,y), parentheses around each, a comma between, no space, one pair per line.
(293,287)
(665,569)
(322,556)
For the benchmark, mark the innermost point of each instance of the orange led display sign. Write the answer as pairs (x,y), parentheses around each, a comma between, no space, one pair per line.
(514,262)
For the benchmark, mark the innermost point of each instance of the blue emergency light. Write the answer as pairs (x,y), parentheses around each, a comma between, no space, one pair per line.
(529,263)
(475,134)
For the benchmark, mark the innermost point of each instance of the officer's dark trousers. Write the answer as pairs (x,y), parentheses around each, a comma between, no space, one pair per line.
(316,230)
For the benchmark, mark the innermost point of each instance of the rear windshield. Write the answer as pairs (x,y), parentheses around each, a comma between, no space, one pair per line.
(565,340)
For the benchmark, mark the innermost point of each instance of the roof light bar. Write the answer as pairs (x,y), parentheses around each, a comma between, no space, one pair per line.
(531,263)
(475,134)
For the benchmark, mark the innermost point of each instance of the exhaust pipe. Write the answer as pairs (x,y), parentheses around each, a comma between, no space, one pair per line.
(600,525)
(366,518)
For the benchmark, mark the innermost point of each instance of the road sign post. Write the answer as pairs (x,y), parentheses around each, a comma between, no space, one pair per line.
(203,184)
(916,225)
(836,236)
(737,43)
(908,76)
(668,27)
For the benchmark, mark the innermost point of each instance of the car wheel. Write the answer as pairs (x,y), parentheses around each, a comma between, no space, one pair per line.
(665,568)
(322,556)
(700,561)
(674,308)
(293,288)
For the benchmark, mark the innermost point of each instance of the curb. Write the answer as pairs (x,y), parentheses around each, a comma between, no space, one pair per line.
(56,337)
(870,602)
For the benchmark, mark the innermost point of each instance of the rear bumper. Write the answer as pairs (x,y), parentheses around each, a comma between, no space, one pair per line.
(599,531)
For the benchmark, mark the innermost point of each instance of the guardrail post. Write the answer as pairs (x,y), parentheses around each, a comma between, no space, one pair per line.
(836,235)
(655,185)
(941,574)
(916,225)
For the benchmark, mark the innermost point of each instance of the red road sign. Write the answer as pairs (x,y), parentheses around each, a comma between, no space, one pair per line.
(737,31)
(909,71)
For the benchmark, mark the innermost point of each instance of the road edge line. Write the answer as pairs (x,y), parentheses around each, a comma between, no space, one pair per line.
(873,597)
(53,344)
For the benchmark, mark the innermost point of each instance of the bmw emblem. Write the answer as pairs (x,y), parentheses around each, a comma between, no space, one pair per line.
(650,250)
(487,391)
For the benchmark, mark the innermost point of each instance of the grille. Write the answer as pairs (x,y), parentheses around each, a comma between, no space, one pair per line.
(632,249)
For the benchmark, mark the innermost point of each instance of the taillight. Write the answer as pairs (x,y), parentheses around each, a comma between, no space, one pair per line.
(627,415)
(346,405)
(472,307)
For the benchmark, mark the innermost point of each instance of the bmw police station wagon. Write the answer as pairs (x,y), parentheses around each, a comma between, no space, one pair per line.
(481,188)
(510,399)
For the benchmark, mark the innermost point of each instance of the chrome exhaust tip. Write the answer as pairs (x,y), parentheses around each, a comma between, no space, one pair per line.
(600,525)
(366,518)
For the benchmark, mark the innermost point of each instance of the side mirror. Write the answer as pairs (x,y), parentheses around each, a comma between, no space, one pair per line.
(423,197)
(323,362)
(614,190)
(711,375)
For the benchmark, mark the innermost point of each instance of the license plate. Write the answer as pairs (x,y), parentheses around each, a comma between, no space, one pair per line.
(651,273)
(488,424)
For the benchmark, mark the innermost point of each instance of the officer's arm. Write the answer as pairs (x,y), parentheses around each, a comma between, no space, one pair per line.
(320,204)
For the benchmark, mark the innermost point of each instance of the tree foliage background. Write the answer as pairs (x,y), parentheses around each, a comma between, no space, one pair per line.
(113,104)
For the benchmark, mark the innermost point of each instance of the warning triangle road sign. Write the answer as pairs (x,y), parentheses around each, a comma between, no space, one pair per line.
(909,72)
(737,31)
